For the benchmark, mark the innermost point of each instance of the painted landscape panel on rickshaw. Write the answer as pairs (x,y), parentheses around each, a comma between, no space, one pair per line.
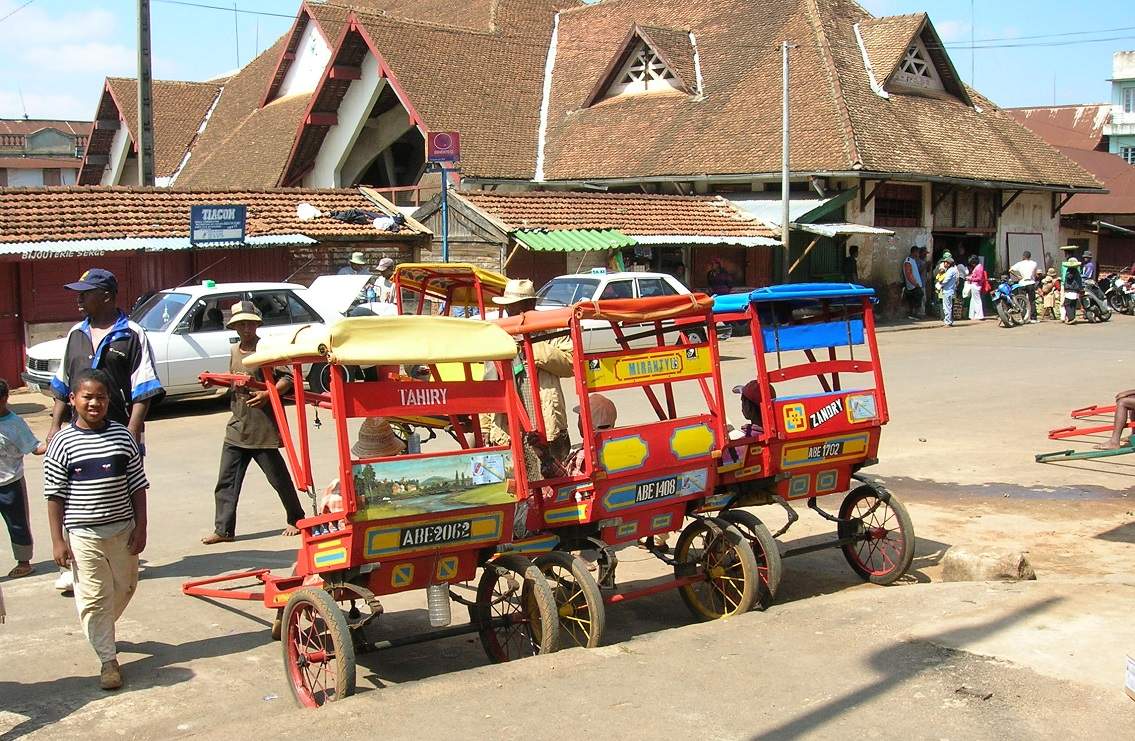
(398,488)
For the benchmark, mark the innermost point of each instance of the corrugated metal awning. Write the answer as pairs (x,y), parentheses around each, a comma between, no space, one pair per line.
(572,240)
(838,230)
(68,247)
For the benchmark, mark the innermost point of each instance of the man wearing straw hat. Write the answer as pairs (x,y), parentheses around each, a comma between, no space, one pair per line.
(544,454)
(251,435)
(356,265)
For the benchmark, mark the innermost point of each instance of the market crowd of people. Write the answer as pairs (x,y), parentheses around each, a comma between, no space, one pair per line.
(935,289)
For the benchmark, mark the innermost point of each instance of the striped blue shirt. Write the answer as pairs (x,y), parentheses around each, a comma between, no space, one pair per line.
(94,472)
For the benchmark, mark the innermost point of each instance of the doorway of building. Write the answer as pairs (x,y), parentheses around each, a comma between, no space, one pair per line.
(11,325)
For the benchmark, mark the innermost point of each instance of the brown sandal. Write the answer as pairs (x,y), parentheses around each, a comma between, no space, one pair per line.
(21,569)
(213,539)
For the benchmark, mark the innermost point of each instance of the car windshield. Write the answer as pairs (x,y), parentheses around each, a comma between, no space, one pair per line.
(159,311)
(566,291)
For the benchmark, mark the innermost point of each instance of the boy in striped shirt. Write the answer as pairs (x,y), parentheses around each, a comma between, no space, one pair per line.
(96,504)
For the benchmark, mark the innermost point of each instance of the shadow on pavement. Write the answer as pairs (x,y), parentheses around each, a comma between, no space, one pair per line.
(893,668)
(50,701)
(201,565)
(1120,534)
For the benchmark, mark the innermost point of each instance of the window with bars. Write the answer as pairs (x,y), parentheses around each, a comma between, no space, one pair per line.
(643,72)
(898,205)
(1129,100)
(1128,154)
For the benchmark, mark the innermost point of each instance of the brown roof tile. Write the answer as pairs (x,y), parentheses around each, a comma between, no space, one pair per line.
(179,109)
(243,145)
(839,123)
(19,163)
(41,214)
(30,126)
(1079,126)
(1115,174)
(886,40)
(632,214)
(498,117)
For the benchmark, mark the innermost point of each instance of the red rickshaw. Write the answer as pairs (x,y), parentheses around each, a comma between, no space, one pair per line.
(641,478)
(404,522)
(812,431)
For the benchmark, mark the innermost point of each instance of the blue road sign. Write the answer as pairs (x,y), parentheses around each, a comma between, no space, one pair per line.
(213,224)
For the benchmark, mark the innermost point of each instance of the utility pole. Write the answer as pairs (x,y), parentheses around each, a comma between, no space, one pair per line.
(145,99)
(784,146)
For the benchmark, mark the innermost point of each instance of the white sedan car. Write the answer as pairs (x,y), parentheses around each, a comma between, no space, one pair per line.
(186,326)
(565,290)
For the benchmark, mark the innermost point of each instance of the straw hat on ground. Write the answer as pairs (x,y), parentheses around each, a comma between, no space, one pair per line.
(516,290)
(377,440)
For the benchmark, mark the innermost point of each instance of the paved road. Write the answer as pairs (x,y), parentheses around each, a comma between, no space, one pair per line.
(969,407)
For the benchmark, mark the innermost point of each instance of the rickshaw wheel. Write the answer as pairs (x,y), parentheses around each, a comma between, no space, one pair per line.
(319,657)
(578,600)
(765,550)
(515,610)
(887,547)
(723,555)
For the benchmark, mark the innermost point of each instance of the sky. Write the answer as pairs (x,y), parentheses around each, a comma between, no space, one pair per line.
(55,53)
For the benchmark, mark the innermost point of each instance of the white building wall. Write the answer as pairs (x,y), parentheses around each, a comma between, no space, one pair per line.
(119,150)
(312,56)
(353,113)
(29,178)
(1029,224)
(68,176)
(880,257)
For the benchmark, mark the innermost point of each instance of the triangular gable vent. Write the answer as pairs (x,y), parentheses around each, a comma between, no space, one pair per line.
(917,70)
(649,61)
(643,72)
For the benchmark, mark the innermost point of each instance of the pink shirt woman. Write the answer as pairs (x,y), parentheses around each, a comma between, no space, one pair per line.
(976,281)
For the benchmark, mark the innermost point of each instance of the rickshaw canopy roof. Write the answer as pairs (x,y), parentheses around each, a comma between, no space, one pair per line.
(389,340)
(438,278)
(792,292)
(624,310)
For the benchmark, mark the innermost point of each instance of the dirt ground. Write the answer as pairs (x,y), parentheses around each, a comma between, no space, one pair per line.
(969,406)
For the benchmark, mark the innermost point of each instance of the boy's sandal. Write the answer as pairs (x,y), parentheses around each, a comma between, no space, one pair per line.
(21,570)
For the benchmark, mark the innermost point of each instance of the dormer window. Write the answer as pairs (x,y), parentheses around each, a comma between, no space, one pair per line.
(916,69)
(643,72)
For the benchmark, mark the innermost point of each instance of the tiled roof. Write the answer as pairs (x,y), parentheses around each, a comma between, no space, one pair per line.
(30,126)
(48,214)
(886,40)
(1115,174)
(179,109)
(498,117)
(673,46)
(245,145)
(636,215)
(839,122)
(474,15)
(1079,126)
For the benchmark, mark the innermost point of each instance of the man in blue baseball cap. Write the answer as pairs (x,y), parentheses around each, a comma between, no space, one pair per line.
(110,342)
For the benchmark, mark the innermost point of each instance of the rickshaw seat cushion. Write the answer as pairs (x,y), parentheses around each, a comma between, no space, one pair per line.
(811,336)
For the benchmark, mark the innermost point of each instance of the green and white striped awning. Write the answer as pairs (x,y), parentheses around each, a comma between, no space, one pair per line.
(572,240)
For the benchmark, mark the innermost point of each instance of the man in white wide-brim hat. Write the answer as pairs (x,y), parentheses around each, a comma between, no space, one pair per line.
(252,434)
(545,452)
(356,265)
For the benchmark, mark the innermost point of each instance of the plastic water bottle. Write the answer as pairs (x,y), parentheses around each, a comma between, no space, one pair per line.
(437,597)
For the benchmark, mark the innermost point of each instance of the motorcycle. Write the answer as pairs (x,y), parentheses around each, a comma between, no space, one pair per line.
(1094,302)
(1010,303)
(1119,293)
